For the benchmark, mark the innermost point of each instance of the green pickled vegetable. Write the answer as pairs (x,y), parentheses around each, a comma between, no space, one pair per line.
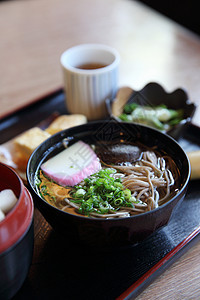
(159,117)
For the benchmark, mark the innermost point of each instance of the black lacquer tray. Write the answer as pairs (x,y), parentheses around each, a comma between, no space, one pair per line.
(60,271)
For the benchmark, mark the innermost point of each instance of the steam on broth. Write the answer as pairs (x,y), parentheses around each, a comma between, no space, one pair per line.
(131,180)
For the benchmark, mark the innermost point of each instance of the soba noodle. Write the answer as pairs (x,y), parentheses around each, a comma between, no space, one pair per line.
(151,181)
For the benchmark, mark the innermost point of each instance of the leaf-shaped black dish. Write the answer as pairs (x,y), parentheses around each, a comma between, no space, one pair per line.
(153,95)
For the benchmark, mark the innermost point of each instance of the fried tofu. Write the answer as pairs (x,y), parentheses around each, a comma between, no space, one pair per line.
(65,122)
(27,142)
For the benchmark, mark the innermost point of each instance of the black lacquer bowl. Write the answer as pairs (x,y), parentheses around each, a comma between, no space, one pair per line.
(108,232)
(153,94)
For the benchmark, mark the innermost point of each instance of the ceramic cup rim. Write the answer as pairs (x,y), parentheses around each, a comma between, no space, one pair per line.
(90,47)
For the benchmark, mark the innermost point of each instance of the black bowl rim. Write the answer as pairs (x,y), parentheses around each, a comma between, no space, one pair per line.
(111,219)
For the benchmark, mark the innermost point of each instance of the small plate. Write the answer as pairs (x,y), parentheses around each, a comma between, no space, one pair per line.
(151,95)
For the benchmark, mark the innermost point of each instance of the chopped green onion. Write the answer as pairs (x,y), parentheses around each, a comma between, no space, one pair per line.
(101,193)
(79,193)
(127,194)
(118,201)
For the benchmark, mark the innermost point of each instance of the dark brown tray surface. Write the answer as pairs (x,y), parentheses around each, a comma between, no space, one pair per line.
(60,271)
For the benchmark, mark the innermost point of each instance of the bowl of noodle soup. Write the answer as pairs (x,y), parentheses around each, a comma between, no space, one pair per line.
(136,177)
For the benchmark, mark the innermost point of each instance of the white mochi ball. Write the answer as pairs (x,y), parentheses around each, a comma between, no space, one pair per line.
(2,215)
(7,200)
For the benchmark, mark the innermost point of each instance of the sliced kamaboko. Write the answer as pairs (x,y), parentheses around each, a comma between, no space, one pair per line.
(7,200)
(72,165)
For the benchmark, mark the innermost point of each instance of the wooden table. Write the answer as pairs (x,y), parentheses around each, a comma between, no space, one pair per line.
(152,48)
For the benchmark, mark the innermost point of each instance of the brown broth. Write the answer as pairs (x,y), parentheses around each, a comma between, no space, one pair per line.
(72,210)
(91,66)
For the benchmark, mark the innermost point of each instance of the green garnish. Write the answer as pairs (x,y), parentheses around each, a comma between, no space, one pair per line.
(44,192)
(102,193)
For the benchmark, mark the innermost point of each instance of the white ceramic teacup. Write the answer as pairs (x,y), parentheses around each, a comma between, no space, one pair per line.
(90,77)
